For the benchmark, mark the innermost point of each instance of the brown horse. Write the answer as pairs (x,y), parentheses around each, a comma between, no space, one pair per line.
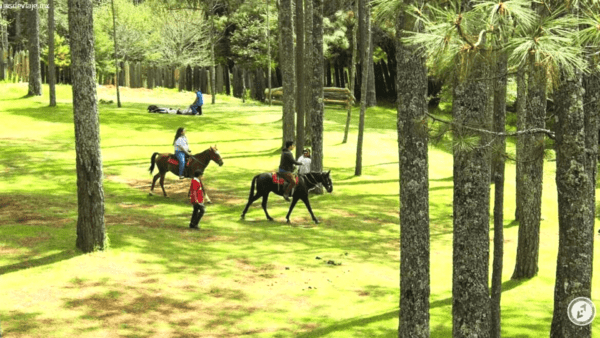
(165,163)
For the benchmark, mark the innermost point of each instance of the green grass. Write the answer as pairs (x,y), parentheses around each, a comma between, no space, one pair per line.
(234,277)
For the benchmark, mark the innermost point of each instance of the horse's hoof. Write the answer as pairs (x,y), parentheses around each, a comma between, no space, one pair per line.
(242,217)
(316,222)
(288,221)
(150,194)
(270,219)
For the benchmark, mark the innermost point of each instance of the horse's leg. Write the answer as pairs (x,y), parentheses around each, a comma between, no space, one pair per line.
(250,201)
(294,201)
(154,182)
(162,183)
(307,203)
(264,205)
(206,198)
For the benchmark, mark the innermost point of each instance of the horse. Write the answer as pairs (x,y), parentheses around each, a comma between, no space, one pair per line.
(198,161)
(264,185)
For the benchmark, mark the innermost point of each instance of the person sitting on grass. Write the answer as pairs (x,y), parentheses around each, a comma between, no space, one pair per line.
(196,195)
(181,149)
(286,168)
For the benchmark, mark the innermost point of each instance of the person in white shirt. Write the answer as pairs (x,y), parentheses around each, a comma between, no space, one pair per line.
(181,149)
(305,160)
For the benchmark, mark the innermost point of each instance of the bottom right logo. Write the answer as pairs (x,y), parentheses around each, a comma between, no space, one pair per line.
(581,311)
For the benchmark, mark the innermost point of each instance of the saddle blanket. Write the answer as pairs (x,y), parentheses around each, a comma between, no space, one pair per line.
(175,162)
(281,180)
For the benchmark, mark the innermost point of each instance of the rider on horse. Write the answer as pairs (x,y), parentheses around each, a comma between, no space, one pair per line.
(286,168)
(181,149)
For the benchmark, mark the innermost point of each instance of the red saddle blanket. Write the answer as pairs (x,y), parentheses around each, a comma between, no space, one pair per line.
(175,162)
(280,180)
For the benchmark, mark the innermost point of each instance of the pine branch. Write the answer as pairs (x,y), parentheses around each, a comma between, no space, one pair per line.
(460,31)
(549,133)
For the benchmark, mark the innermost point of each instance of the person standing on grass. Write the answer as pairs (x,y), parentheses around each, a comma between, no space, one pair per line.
(305,160)
(286,168)
(196,195)
(181,149)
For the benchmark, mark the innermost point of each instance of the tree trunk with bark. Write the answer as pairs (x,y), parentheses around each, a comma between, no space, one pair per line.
(498,167)
(268,52)
(352,67)
(287,58)
(471,310)
(317,106)
(308,69)
(300,100)
(414,184)
(576,230)
(365,38)
(35,74)
(114,17)
(532,171)
(3,45)
(213,73)
(371,92)
(521,113)
(91,231)
(51,67)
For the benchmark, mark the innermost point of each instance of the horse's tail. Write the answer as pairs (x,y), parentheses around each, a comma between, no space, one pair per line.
(252,187)
(152,162)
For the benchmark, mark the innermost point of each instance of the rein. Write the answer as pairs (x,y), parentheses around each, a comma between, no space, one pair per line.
(313,178)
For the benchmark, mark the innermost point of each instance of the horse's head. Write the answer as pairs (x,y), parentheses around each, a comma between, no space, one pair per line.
(326,180)
(215,155)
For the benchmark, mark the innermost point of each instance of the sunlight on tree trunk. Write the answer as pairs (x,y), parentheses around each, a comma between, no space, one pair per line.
(35,74)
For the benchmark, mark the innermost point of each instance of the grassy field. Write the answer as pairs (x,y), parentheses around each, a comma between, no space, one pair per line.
(234,277)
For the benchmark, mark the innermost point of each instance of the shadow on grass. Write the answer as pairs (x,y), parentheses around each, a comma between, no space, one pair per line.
(363,321)
(33,263)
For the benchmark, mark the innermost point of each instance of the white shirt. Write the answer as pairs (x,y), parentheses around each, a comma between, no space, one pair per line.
(305,167)
(182,144)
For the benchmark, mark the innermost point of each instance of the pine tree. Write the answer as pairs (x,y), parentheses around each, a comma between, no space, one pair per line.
(411,82)
(317,108)
(286,60)
(35,73)
(51,67)
(91,231)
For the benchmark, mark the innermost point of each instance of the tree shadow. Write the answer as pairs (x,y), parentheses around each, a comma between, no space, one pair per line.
(34,263)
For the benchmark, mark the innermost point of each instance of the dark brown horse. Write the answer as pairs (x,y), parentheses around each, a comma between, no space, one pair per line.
(165,162)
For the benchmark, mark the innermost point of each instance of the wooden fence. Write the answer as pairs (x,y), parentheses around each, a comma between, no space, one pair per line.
(331,95)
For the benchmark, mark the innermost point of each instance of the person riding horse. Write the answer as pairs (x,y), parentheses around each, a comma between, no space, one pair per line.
(286,168)
(181,149)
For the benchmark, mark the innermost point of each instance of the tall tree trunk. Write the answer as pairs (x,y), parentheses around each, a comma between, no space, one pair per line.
(365,22)
(35,74)
(521,114)
(51,67)
(471,310)
(287,58)
(317,89)
(591,106)
(114,17)
(268,53)
(308,69)
(414,184)
(91,232)
(352,67)
(532,171)
(3,45)
(371,92)
(498,167)
(576,231)
(575,223)
(299,78)
(213,73)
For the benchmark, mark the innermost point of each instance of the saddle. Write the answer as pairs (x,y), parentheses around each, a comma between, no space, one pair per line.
(173,160)
(280,180)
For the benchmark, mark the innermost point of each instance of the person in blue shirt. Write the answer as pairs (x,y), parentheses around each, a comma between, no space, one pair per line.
(197,105)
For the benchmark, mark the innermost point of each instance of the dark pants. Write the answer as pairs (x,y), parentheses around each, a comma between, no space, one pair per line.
(289,177)
(197,215)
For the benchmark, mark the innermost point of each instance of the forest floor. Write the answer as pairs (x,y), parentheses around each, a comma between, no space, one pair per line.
(234,277)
